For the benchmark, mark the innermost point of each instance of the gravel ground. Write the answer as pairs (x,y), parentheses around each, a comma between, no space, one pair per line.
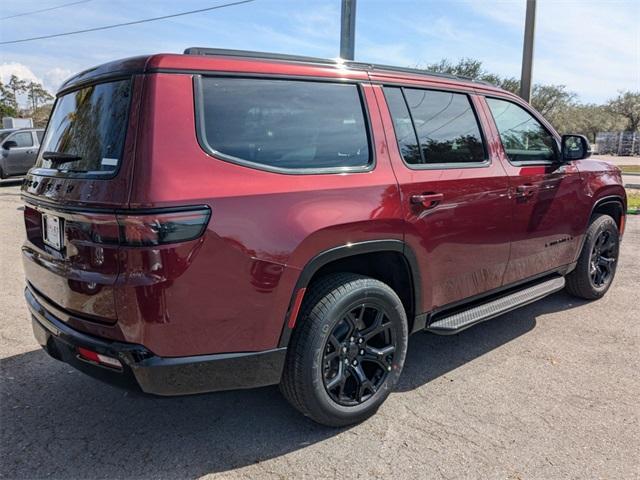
(548,391)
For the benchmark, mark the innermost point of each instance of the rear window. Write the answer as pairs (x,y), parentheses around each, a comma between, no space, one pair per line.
(283,124)
(86,131)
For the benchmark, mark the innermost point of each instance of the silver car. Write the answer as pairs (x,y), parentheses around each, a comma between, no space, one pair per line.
(19,149)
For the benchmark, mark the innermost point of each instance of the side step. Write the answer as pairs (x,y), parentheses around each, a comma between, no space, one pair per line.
(467,318)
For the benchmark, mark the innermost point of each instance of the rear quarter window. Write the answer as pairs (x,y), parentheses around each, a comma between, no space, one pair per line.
(284,124)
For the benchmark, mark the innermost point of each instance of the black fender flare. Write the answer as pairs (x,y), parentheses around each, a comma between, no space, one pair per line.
(350,250)
(598,203)
(605,200)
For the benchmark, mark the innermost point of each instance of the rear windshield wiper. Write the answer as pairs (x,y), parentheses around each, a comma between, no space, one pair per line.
(59,157)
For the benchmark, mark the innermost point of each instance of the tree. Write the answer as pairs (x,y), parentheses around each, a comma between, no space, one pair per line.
(466,67)
(7,102)
(547,99)
(38,98)
(627,105)
(510,84)
(588,119)
(41,117)
(37,95)
(551,100)
(470,68)
(16,86)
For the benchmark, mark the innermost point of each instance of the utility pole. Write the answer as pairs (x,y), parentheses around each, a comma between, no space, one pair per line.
(527,51)
(348,29)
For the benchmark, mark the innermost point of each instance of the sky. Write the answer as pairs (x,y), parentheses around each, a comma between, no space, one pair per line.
(592,47)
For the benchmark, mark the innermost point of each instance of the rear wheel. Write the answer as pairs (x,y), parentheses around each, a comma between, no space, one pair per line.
(597,263)
(348,349)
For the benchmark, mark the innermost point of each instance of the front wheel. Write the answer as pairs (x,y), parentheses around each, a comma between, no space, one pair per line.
(598,260)
(347,351)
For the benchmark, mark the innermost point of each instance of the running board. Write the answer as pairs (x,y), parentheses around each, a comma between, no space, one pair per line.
(467,318)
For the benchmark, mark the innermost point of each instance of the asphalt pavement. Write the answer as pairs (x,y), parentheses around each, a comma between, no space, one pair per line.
(550,391)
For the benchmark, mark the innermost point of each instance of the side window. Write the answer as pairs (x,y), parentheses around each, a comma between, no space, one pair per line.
(523,137)
(443,122)
(40,135)
(23,139)
(286,124)
(403,126)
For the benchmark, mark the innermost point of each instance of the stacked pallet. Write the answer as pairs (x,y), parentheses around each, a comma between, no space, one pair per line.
(618,143)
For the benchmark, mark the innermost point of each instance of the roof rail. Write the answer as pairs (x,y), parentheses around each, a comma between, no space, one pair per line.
(250,54)
(324,61)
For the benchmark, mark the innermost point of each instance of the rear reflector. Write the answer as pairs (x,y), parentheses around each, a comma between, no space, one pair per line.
(96,357)
(296,308)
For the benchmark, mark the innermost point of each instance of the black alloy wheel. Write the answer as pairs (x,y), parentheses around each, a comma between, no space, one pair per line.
(358,355)
(347,350)
(596,266)
(603,259)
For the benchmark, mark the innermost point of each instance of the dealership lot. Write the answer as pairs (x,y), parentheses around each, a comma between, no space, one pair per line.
(547,391)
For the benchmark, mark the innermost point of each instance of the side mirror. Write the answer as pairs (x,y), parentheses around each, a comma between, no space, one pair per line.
(9,144)
(575,147)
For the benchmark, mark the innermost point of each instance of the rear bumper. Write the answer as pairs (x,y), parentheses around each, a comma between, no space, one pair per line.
(142,370)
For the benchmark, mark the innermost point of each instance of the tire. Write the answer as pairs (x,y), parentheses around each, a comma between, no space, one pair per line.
(2,177)
(599,254)
(340,311)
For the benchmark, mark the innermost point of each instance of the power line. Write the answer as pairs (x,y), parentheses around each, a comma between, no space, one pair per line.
(44,9)
(135,22)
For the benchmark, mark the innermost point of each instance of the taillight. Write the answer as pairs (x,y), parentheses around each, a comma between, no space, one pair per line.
(162,227)
(92,227)
(126,228)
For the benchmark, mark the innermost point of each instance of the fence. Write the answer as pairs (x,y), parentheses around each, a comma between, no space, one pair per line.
(618,143)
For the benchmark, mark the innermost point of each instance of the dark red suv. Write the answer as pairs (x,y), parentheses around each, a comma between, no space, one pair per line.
(226,219)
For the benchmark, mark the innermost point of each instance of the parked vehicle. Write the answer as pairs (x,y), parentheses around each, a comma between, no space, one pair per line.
(16,123)
(19,150)
(226,219)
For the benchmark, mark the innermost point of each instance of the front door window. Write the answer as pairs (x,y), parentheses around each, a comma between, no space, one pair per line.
(524,139)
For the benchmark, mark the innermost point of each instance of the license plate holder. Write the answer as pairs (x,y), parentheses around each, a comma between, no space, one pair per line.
(52,231)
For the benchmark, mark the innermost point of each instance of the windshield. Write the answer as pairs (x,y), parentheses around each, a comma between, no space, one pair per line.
(5,134)
(87,129)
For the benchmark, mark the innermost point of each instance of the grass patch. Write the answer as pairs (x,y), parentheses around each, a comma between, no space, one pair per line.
(633,200)
(629,168)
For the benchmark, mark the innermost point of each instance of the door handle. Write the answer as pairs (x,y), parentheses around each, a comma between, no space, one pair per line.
(427,200)
(525,190)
